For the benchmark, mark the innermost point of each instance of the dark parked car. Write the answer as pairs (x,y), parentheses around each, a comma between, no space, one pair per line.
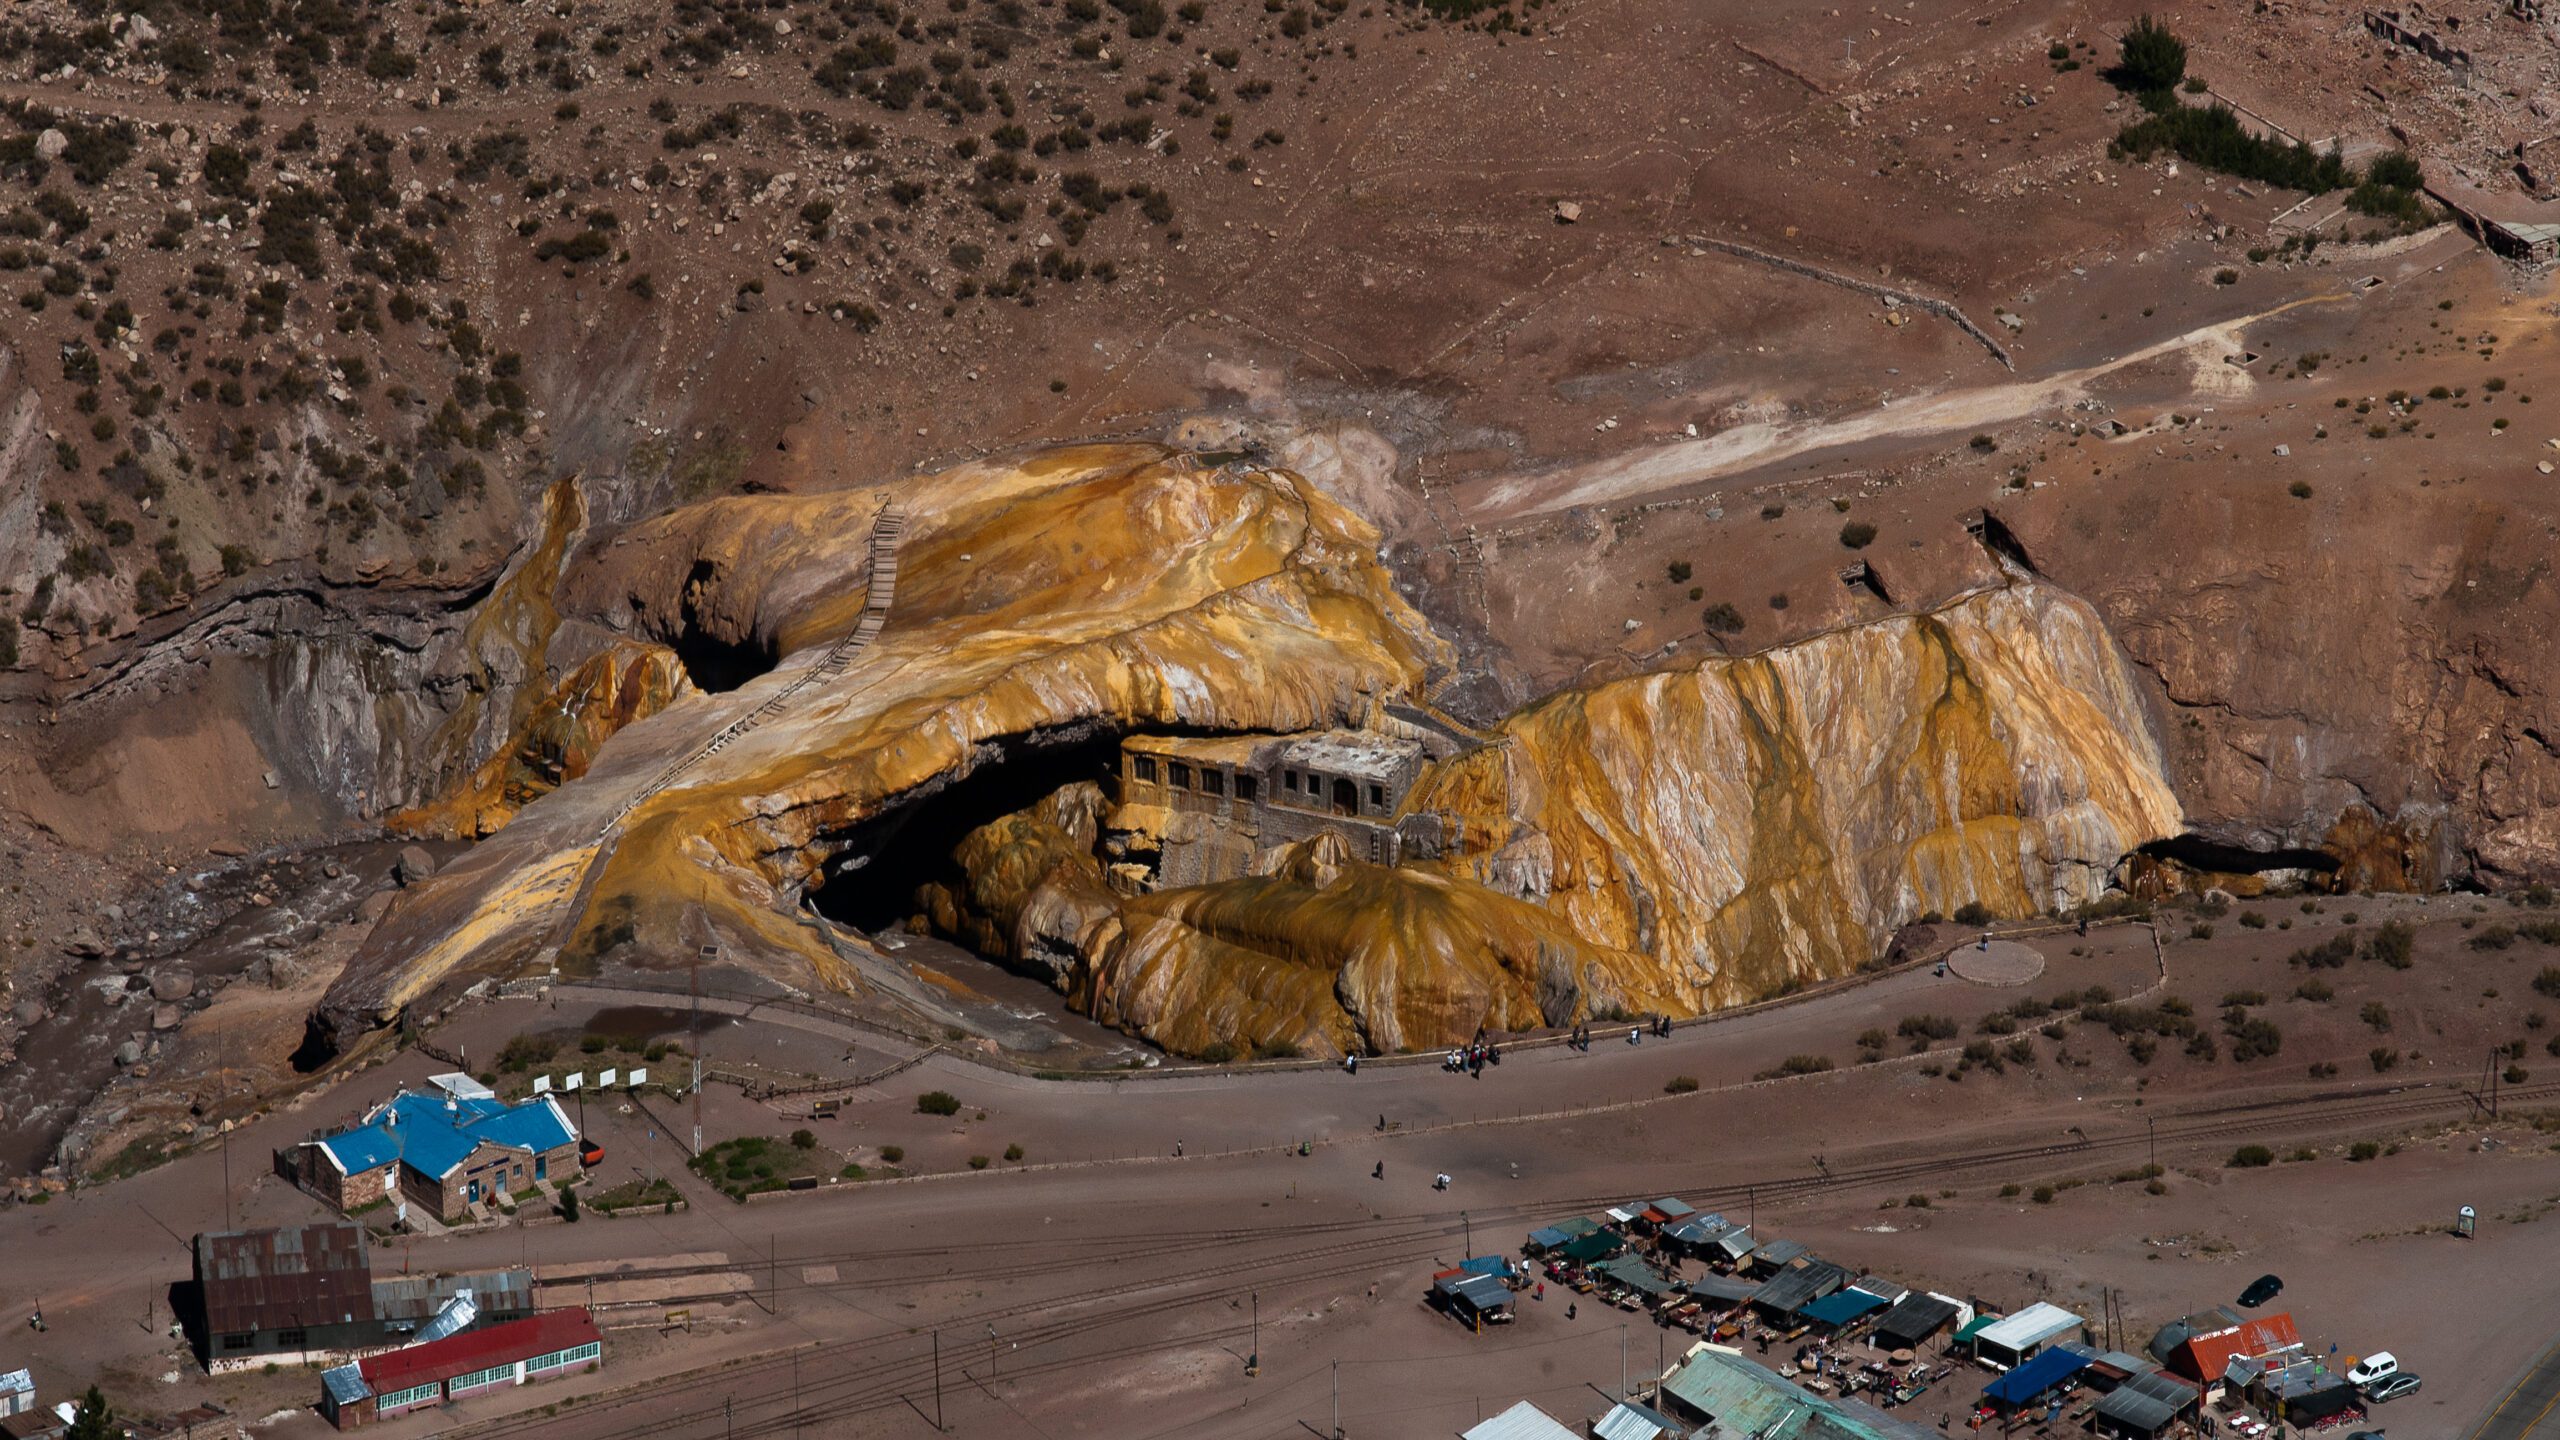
(2261,1290)
(2398,1385)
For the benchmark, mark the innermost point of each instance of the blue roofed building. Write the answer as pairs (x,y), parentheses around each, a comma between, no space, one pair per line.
(446,1152)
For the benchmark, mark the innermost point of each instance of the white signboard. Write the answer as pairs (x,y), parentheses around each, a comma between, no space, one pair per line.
(575,1082)
(639,1078)
(605,1081)
(541,1084)
(16,1381)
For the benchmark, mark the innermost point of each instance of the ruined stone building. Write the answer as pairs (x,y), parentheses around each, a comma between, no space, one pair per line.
(1194,810)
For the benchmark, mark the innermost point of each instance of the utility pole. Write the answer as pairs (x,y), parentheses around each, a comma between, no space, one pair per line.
(1471,1233)
(712,954)
(937,1382)
(1337,1400)
(795,1392)
(1253,1362)
(991,1352)
(2153,1122)
(772,1274)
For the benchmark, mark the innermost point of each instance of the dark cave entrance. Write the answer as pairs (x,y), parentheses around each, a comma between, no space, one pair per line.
(911,846)
(713,663)
(2196,852)
(319,1045)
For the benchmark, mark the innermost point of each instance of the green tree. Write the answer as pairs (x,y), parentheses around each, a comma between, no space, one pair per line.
(93,1420)
(2153,59)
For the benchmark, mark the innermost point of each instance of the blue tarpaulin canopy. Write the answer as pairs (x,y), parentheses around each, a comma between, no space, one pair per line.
(1493,1265)
(2040,1374)
(1841,1307)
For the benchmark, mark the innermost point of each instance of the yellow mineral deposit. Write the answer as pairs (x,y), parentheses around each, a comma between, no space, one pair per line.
(1671,842)
(1755,822)
(1109,587)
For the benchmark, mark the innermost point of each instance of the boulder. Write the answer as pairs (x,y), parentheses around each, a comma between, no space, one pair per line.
(166,1017)
(50,145)
(414,865)
(169,986)
(84,943)
(28,1012)
(373,906)
(129,1053)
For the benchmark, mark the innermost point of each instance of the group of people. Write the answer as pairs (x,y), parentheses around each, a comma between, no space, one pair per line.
(1471,1058)
(1659,1027)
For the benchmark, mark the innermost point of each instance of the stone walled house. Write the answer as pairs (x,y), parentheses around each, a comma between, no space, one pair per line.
(1195,810)
(446,1153)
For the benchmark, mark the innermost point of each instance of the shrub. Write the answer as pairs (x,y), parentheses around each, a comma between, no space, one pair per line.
(1678,570)
(2315,991)
(1857,535)
(2244,997)
(1680,1085)
(2252,1036)
(2213,137)
(892,1154)
(2384,1059)
(2392,944)
(1921,1029)
(2009,1192)
(1217,1052)
(2493,937)
(2330,954)
(1013,1153)
(1721,618)
(2516,1075)
(1872,1038)
(2364,1150)
(2377,1015)
(1796,1065)
(2149,58)
(1972,913)
(937,1102)
(2251,1157)
(804,1140)
(2043,1195)
(978,1162)
(2547,981)
(2252,920)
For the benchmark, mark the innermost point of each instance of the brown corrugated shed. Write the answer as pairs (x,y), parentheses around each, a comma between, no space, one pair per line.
(310,1276)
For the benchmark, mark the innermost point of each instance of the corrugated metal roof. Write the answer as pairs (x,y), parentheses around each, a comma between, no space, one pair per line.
(1917,1318)
(415,1298)
(1792,1290)
(285,1279)
(2146,1403)
(345,1384)
(1523,1421)
(440,1360)
(2205,1356)
(2032,1326)
(1743,1397)
(1628,1420)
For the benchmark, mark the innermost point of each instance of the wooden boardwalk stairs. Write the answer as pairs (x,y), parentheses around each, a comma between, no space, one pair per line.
(887,528)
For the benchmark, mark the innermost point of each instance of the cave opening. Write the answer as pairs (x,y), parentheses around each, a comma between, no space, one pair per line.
(319,1046)
(887,859)
(714,663)
(2197,852)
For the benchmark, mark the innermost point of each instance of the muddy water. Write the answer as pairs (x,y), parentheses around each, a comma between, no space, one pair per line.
(203,921)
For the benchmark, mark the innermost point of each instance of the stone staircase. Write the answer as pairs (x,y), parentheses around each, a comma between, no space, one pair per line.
(887,528)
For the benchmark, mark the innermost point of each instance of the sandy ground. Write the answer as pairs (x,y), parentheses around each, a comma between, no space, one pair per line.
(1123,1292)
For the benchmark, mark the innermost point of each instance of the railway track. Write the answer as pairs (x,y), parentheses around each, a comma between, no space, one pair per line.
(887,1370)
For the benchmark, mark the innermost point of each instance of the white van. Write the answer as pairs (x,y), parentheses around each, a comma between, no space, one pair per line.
(2379,1365)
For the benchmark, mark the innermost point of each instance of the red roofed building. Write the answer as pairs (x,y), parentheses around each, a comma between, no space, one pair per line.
(2207,1356)
(544,1346)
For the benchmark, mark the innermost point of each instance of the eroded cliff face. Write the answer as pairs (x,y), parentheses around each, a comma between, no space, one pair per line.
(1676,842)
(1753,822)
(1076,594)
